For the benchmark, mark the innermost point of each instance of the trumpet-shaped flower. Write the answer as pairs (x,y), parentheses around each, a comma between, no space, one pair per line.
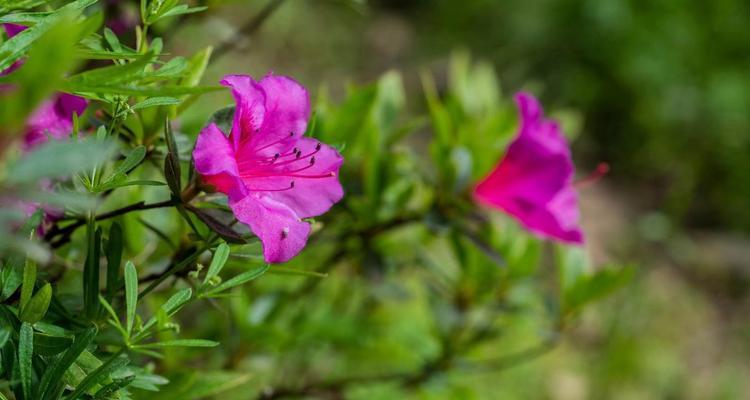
(272,175)
(534,181)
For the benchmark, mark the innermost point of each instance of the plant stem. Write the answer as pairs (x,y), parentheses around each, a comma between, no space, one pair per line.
(248,29)
(65,232)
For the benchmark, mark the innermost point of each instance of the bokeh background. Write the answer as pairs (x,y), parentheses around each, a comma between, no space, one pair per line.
(658,89)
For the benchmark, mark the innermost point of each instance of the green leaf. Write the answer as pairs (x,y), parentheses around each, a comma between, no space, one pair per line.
(239,280)
(109,390)
(177,300)
(52,381)
(37,307)
(138,90)
(169,308)
(57,159)
(588,288)
(221,255)
(113,74)
(172,170)
(131,295)
(156,101)
(173,68)
(179,343)
(25,353)
(29,280)
(4,335)
(98,376)
(132,160)
(114,257)
(24,18)
(91,271)
(49,345)
(12,272)
(14,48)
(196,67)
(112,40)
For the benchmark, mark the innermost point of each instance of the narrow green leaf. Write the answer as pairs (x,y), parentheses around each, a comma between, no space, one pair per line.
(239,280)
(24,18)
(51,381)
(196,67)
(4,335)
(138,90)
(132,160)
(172,171)
(114,74)
(217,262)
(109,390)
(156,101)
(14,48)
(131,295)
(98,376)
(29,280)
(48,345)
(25,352)
(179,343)
(114,257)
(37,307)
(91,271)
(170,307)
(112,40)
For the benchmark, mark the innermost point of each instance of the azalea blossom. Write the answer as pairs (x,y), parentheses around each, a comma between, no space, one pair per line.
(272,175)
(534,181)
(53,119)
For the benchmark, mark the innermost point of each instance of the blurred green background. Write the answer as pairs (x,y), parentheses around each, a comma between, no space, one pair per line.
(659,89)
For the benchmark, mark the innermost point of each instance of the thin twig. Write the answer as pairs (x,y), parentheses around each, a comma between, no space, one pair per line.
(248,29)
(67,231)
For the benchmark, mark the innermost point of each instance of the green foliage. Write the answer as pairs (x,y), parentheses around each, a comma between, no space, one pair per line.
(402,282)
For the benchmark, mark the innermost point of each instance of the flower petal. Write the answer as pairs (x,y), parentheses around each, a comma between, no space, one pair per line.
(214,160)
(250,109)
(282,233)
(316,185)
(53,118)
(533,182)
(287,110)
(13,29)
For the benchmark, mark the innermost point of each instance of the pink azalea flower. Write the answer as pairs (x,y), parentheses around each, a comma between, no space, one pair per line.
(53,118)
(534,181)
(272,175)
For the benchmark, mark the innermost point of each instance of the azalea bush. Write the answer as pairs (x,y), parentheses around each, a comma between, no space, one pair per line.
(293,245)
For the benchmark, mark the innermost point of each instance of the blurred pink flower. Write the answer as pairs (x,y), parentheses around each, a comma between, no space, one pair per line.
(272,175)
(53,118)
(534,181)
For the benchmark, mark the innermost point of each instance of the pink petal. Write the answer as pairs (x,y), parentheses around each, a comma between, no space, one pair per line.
(533,182)
(214,160)
(250,109)
(316,188)
(282,233)
(13,29)
(287,111)
(53,118)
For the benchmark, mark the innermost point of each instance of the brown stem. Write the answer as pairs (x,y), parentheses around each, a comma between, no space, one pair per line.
(248,29)
(65,233)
